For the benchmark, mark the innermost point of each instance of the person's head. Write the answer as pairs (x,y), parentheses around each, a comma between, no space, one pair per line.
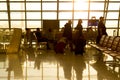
(101,18)
(37,29)
(70,21)
(27,29)
(80,21)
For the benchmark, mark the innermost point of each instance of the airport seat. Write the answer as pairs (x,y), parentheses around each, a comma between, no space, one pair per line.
(114,46)
(103,44)
(100,43)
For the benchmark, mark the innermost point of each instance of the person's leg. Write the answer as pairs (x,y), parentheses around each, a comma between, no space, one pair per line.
(38,45)
(71,45)
(48,47)
(98,39)
(46,40)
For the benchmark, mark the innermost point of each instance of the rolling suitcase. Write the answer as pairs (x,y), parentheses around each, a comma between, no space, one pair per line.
(60,46)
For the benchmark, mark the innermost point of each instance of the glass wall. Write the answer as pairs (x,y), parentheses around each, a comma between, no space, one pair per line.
(30,13)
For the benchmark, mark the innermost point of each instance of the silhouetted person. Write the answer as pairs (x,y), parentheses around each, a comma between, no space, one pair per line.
(79,27)
(101,29)
(79,43)
(79,40)
(50,35)
(40,38)
(67,33)
(28,36)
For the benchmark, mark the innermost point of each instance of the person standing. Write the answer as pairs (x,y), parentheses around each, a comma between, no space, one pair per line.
(101,29)
(79,27)
(79,40)
(67,33)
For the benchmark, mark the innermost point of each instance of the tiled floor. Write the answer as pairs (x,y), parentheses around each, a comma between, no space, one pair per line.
(32,64)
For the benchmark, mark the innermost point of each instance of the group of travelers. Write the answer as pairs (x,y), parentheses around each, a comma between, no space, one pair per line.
(77,43)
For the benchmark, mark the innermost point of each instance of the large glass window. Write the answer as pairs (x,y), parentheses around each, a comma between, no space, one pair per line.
(3,6)
(65,15)
(96,6)
(49,6)
(17,6)
(111,23)
(33,6)
(33,24)
(65,6)
(3,15)
(114,6)
(81,15)
(81,5)
(17,24)
(17,15)
(33,15)
(49,15)
(4,24)
(112,15)
(34,11)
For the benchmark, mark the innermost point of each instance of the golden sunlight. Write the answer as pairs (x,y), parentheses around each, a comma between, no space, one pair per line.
(80,5)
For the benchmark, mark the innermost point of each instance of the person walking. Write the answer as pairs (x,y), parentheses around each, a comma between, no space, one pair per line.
(67,33)
(79,27)
(79,40)
(101,29)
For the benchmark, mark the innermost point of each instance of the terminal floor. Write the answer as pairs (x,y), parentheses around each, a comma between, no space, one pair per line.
(42,64)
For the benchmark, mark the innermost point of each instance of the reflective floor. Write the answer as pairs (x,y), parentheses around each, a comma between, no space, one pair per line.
(42,64)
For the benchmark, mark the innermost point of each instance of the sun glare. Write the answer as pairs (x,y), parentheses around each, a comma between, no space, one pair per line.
(80,5)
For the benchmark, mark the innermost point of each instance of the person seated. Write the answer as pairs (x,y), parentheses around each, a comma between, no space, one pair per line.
(40,38)
(28,37)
